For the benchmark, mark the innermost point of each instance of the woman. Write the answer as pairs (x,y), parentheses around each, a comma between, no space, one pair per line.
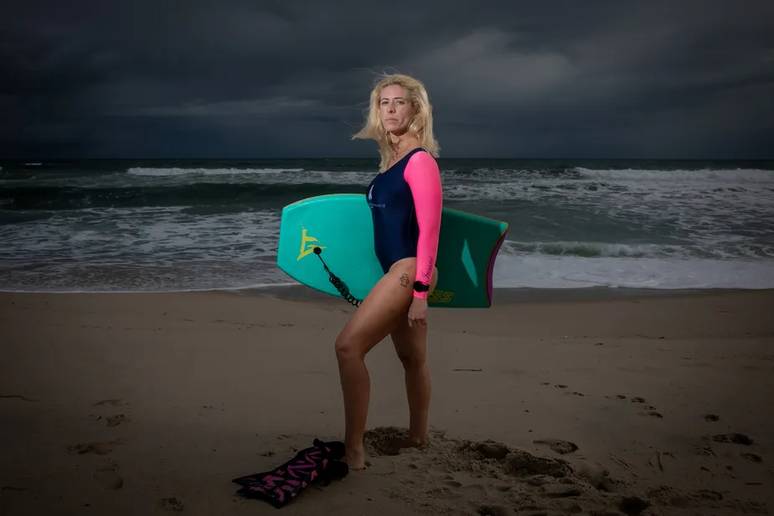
(406,202)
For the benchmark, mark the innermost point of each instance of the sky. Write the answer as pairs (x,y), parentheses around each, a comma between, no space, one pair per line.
(679,79)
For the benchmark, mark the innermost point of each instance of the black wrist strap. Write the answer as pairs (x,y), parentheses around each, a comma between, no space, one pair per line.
(421,287)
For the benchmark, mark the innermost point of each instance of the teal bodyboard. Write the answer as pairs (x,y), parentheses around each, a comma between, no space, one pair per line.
(341,226)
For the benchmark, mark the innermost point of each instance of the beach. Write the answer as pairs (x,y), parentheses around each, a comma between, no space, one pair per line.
(151,403)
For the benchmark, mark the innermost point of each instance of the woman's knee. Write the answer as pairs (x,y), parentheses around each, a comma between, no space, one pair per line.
(352,346)
(347,346)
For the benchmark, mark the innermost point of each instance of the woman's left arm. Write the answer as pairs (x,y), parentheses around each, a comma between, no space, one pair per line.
(424,179)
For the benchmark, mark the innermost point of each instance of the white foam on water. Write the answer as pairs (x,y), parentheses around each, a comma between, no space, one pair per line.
(707,206)
(165,257)
(155,232)
(177,171)
(161,288)
(172,177)
(734,175)
(541,271)
(263,176)
(732,248)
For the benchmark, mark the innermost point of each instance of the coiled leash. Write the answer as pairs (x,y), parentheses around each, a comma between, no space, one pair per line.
(340,285)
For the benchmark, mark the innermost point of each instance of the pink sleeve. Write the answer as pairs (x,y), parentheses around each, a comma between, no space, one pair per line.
(424,179)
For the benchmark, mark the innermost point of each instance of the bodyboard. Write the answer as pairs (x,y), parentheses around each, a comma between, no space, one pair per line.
(335,231)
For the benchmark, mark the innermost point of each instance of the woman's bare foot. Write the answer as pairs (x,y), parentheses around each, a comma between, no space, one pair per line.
(355,459)
(397,444)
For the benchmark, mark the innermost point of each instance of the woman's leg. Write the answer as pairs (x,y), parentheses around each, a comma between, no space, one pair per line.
(384,307)
(411,347)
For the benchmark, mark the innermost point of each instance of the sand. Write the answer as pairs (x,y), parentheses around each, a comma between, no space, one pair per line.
(152,403)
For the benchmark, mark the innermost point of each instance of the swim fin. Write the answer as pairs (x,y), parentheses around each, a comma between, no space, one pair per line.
(320,463)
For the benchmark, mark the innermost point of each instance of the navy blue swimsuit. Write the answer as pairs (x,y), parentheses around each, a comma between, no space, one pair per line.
(396,230)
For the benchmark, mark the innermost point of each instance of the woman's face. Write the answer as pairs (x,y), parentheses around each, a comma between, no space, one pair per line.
(395,110)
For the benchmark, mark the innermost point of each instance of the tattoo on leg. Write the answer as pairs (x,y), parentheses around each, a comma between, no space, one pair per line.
(404,280)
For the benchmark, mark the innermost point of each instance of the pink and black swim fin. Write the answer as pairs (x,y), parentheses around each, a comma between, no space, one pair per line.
(320,463)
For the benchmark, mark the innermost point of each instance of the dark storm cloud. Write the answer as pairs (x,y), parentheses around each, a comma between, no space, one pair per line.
(250,78)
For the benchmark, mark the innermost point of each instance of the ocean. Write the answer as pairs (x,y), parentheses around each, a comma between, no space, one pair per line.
(181,225)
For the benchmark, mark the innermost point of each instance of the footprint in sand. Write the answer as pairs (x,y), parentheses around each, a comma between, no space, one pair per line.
(495,510)
(170,504)
(557,445)
(561,491)
(117,420)
(99,448)
(752,457)
(383,441)
(491,449)
(114,402)
(734,438)
(442,492)
(704,449)
(648,410)
(562,386)
(633,505)
(107,476)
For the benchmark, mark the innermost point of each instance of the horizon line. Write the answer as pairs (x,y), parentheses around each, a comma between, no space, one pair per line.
(376,158)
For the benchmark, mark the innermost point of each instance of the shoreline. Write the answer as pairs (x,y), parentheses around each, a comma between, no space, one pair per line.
(501,295)
(117,404)
(509,295)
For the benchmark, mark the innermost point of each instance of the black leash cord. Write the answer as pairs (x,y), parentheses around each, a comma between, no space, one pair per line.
(340,285)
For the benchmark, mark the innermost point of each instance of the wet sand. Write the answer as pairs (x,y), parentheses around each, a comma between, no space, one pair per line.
(544,404)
